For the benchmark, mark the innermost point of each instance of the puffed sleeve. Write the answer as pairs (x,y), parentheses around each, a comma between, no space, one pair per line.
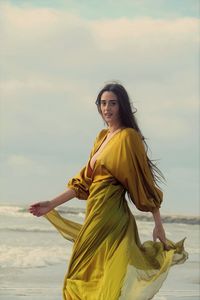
(80,183)
(134,172)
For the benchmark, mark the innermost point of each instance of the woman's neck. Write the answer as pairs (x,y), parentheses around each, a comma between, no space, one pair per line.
(114,127)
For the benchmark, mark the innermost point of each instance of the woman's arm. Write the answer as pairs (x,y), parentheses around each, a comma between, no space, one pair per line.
(66,196)
(159,232)
(41,208)
(157,217)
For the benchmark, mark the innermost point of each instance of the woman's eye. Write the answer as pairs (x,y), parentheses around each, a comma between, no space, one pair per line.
(111,103)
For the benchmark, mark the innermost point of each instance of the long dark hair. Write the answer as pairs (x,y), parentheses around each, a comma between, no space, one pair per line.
(128,119)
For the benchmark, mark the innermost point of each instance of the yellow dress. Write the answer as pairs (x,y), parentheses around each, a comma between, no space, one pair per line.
(108,261)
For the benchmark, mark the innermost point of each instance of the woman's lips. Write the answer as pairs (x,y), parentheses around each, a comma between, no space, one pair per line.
(108,115)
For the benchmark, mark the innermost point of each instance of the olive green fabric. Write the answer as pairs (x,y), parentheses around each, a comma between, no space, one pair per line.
(108,260)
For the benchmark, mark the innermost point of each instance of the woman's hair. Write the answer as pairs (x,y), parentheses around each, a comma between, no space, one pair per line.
(128,119)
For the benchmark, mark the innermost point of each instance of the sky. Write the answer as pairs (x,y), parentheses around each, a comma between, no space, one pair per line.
(56,56)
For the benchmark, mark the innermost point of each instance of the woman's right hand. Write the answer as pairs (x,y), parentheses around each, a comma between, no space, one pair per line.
(40,208)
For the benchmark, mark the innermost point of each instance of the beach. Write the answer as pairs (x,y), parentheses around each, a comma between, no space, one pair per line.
(34,256)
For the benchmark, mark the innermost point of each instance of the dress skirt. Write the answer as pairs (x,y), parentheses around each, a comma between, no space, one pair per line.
(108,260)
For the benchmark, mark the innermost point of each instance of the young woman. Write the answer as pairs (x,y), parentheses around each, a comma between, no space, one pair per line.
(108,261)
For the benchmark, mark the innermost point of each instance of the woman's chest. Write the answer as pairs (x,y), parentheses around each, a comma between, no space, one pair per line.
(97,152)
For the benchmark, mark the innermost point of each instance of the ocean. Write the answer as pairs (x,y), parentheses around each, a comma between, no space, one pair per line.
(34,256)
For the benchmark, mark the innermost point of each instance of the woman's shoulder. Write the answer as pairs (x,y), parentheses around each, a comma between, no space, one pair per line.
(101,134)
(133,139)
(132,133)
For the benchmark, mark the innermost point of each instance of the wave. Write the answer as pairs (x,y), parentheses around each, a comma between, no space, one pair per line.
(172,219)
(43,256)
(29,229)
(19,211)
(29,257)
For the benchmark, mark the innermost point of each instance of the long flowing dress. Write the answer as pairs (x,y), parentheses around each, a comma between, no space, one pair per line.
(108,260)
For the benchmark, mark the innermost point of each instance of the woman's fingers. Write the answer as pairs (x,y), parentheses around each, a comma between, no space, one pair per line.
(166,247)
(35,205)
(161,237)
(164,242)
(34,210)
(40,208)
(37,213)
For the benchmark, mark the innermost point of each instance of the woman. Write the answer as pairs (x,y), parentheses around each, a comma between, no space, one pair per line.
(108,260)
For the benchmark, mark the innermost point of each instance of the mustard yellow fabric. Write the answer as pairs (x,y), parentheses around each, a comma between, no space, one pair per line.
(108,261)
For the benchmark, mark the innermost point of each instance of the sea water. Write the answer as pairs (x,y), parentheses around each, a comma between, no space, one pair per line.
(34,256)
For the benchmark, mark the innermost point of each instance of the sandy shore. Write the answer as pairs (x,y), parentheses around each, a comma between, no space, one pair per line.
(46,283)
(31,284)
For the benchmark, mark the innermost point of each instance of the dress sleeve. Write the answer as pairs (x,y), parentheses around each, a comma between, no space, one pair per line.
(80,183)
(135,174)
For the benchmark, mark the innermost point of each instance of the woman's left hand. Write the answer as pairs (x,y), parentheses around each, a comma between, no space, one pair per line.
(159,233)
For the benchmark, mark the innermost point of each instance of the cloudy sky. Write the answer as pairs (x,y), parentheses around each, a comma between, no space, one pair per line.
(57,55)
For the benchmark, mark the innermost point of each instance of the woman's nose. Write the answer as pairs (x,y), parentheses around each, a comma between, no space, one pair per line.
(107,105)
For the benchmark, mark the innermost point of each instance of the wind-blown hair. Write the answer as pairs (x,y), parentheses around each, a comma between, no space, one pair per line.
(128,119)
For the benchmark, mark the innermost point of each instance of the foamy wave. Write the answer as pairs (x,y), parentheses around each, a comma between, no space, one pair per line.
(28,257)
(27,229)
(172,219)
(17,211)
(193,250)
(14,211)
(80,212)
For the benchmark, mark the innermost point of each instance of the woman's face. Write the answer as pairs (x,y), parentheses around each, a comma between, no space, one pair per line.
(110,108)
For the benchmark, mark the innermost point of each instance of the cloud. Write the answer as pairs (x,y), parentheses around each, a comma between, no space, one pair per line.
(54,62)
(23,163)
(152,32)
(34,36)
(52,54)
